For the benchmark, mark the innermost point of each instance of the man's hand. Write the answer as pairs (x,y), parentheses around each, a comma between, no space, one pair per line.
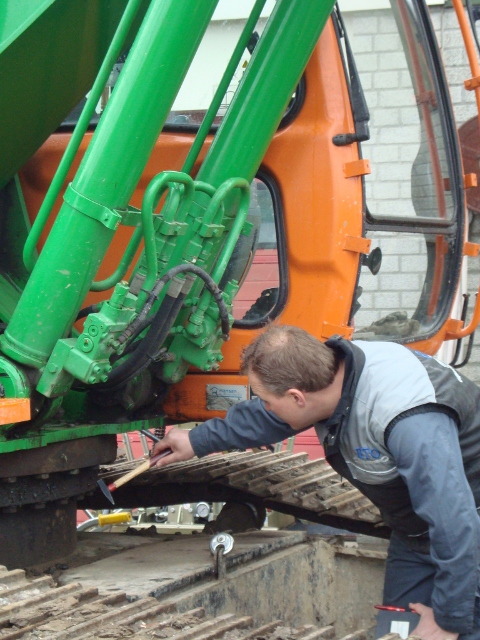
(427,628)
(178,441)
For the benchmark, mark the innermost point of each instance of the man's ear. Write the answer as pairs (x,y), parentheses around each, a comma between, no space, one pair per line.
(298,396)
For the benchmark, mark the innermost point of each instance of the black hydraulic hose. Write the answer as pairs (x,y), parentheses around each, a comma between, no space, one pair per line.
(155,292)
(132,344)
(123,371)
(143,352)
(130,370)
(86,311)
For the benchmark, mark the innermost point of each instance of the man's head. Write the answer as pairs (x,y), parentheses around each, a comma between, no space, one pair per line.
(293,373)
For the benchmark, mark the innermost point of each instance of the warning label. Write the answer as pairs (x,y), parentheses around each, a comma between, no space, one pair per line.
(220,397)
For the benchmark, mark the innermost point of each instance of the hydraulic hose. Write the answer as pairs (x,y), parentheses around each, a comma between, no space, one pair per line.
(143,352)
(129,367)
(148,348)
(86,311)
(155,292)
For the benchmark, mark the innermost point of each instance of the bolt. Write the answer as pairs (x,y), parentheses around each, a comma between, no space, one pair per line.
(93,330)
(104,378)
(172,509)
(74,472)
(108,368)
(87,344)
(96,369)
(92,379)
(52,367)
(42,476)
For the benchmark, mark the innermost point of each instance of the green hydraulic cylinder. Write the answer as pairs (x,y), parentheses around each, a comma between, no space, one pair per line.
(154,71)
(266,88)
(259,103)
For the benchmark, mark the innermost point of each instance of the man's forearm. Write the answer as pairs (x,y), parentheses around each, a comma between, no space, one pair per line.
(246,425)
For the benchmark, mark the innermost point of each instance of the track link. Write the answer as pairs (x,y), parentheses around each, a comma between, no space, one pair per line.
(37,610)
(283,481)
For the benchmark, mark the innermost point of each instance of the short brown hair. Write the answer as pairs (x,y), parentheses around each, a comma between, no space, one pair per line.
(286,357)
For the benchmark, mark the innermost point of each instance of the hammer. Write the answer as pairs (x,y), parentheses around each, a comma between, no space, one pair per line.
(144,466)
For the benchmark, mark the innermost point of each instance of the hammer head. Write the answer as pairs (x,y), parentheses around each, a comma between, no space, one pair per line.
(105,490)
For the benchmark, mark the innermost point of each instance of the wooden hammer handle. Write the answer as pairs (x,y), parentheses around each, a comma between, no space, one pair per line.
(144,466)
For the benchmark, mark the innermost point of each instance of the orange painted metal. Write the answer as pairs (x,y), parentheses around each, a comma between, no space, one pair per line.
(471,249)
(357,168)
(358,245)
(14,410)
(473,83)
(470,180)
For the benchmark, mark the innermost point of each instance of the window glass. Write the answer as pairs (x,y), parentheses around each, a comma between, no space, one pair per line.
(255,262)
(410,175)
(203,76)
(412,285)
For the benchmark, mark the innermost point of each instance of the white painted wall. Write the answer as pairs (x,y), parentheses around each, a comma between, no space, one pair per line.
(372,5)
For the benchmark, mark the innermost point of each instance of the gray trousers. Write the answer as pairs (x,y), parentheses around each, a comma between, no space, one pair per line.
(409,578)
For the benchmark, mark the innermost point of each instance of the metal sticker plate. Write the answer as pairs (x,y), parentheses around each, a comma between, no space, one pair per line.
(220,397)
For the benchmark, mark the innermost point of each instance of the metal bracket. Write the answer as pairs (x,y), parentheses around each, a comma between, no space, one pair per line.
(132,217)
(470,180)
(329,330)
(471,249)
(357,168)
(108,217)
(357,244)
(472,83)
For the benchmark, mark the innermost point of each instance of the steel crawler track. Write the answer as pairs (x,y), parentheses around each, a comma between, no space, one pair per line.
(286,482)
(37,610)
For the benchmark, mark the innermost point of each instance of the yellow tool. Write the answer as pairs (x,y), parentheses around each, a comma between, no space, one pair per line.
(114,518)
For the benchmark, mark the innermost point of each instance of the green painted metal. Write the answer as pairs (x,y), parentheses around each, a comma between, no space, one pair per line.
(170,224)
(74,143)
(223,86)
(14,226)
(121,270)
(253,115)
(50,52)
(107,177)
(255,112)
(200,342)
(265,89)
(62,433)
(87,357)
(14,381)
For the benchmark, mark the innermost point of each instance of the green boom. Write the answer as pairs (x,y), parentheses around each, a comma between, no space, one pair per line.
(107,177)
